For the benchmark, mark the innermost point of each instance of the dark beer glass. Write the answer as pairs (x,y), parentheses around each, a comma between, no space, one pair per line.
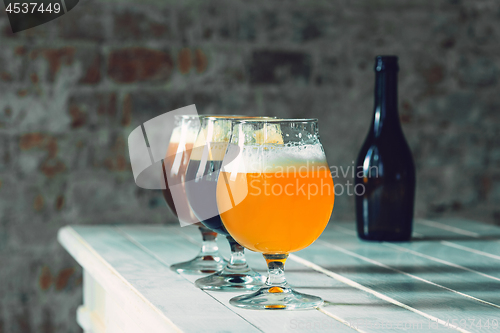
(174,170)
(201,186)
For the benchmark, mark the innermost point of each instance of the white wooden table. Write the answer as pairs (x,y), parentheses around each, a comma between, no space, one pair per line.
(447,279)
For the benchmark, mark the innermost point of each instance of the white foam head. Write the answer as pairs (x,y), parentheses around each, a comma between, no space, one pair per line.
(272,157)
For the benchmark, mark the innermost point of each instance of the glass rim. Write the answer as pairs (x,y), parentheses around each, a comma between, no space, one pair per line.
(190,116)
(277,120)
(220,116)
(237,117)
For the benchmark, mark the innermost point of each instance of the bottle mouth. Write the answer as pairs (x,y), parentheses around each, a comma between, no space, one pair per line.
(386,63)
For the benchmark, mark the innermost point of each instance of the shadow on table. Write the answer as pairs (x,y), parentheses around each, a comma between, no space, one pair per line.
(421,304)
(455,238)
(417,286)
(298,288)
(411,269)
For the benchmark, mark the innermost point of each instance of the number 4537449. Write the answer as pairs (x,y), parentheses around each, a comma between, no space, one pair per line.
(32,8)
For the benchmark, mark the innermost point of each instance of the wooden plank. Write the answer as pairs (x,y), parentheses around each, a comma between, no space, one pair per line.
(484,242)
(371,267)
(467,283)
(158,299)
(367,286)
(473,263)
(346,304)
(482,248)
(482,229)
(433,324)
(451,228)
(163,244)
(472,254)
(476,261)
(458,229)
(75,242)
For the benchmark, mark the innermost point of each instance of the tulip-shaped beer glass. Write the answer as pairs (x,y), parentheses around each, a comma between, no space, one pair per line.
(201,185)
(275,195)
(174,168)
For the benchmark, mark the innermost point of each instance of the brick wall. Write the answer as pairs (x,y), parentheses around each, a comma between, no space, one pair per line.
(73,89)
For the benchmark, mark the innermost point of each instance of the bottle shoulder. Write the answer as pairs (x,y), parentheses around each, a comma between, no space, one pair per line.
(393,140)
(387,156)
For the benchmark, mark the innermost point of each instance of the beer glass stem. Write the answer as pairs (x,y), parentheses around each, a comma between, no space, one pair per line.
(238,260)
(208,259)
(209,245)
(276,270)
(276,294)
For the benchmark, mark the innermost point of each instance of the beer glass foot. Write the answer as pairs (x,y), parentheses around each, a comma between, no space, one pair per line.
(208,261)
(232,280)
(276,298)
(201,264)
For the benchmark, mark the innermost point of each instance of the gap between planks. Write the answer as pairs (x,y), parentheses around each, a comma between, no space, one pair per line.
(416,253)
(446,227)
(379,295)
(190,239)
(375,293)
(358,286)
(351,233)
(70,232)
(374,262)
(459,231)
(325,312)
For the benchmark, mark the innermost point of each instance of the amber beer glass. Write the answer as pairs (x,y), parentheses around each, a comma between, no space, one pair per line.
(174,171)
(275,195)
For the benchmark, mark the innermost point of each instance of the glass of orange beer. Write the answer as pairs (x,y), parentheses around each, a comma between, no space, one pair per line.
(275,195)
(175,166)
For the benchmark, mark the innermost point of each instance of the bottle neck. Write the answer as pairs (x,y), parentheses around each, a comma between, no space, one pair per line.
(386,101)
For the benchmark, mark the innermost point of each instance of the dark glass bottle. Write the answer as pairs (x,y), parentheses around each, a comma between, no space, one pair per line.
(384,168)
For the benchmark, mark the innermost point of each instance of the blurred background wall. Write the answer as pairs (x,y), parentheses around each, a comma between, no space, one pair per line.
(73,89)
